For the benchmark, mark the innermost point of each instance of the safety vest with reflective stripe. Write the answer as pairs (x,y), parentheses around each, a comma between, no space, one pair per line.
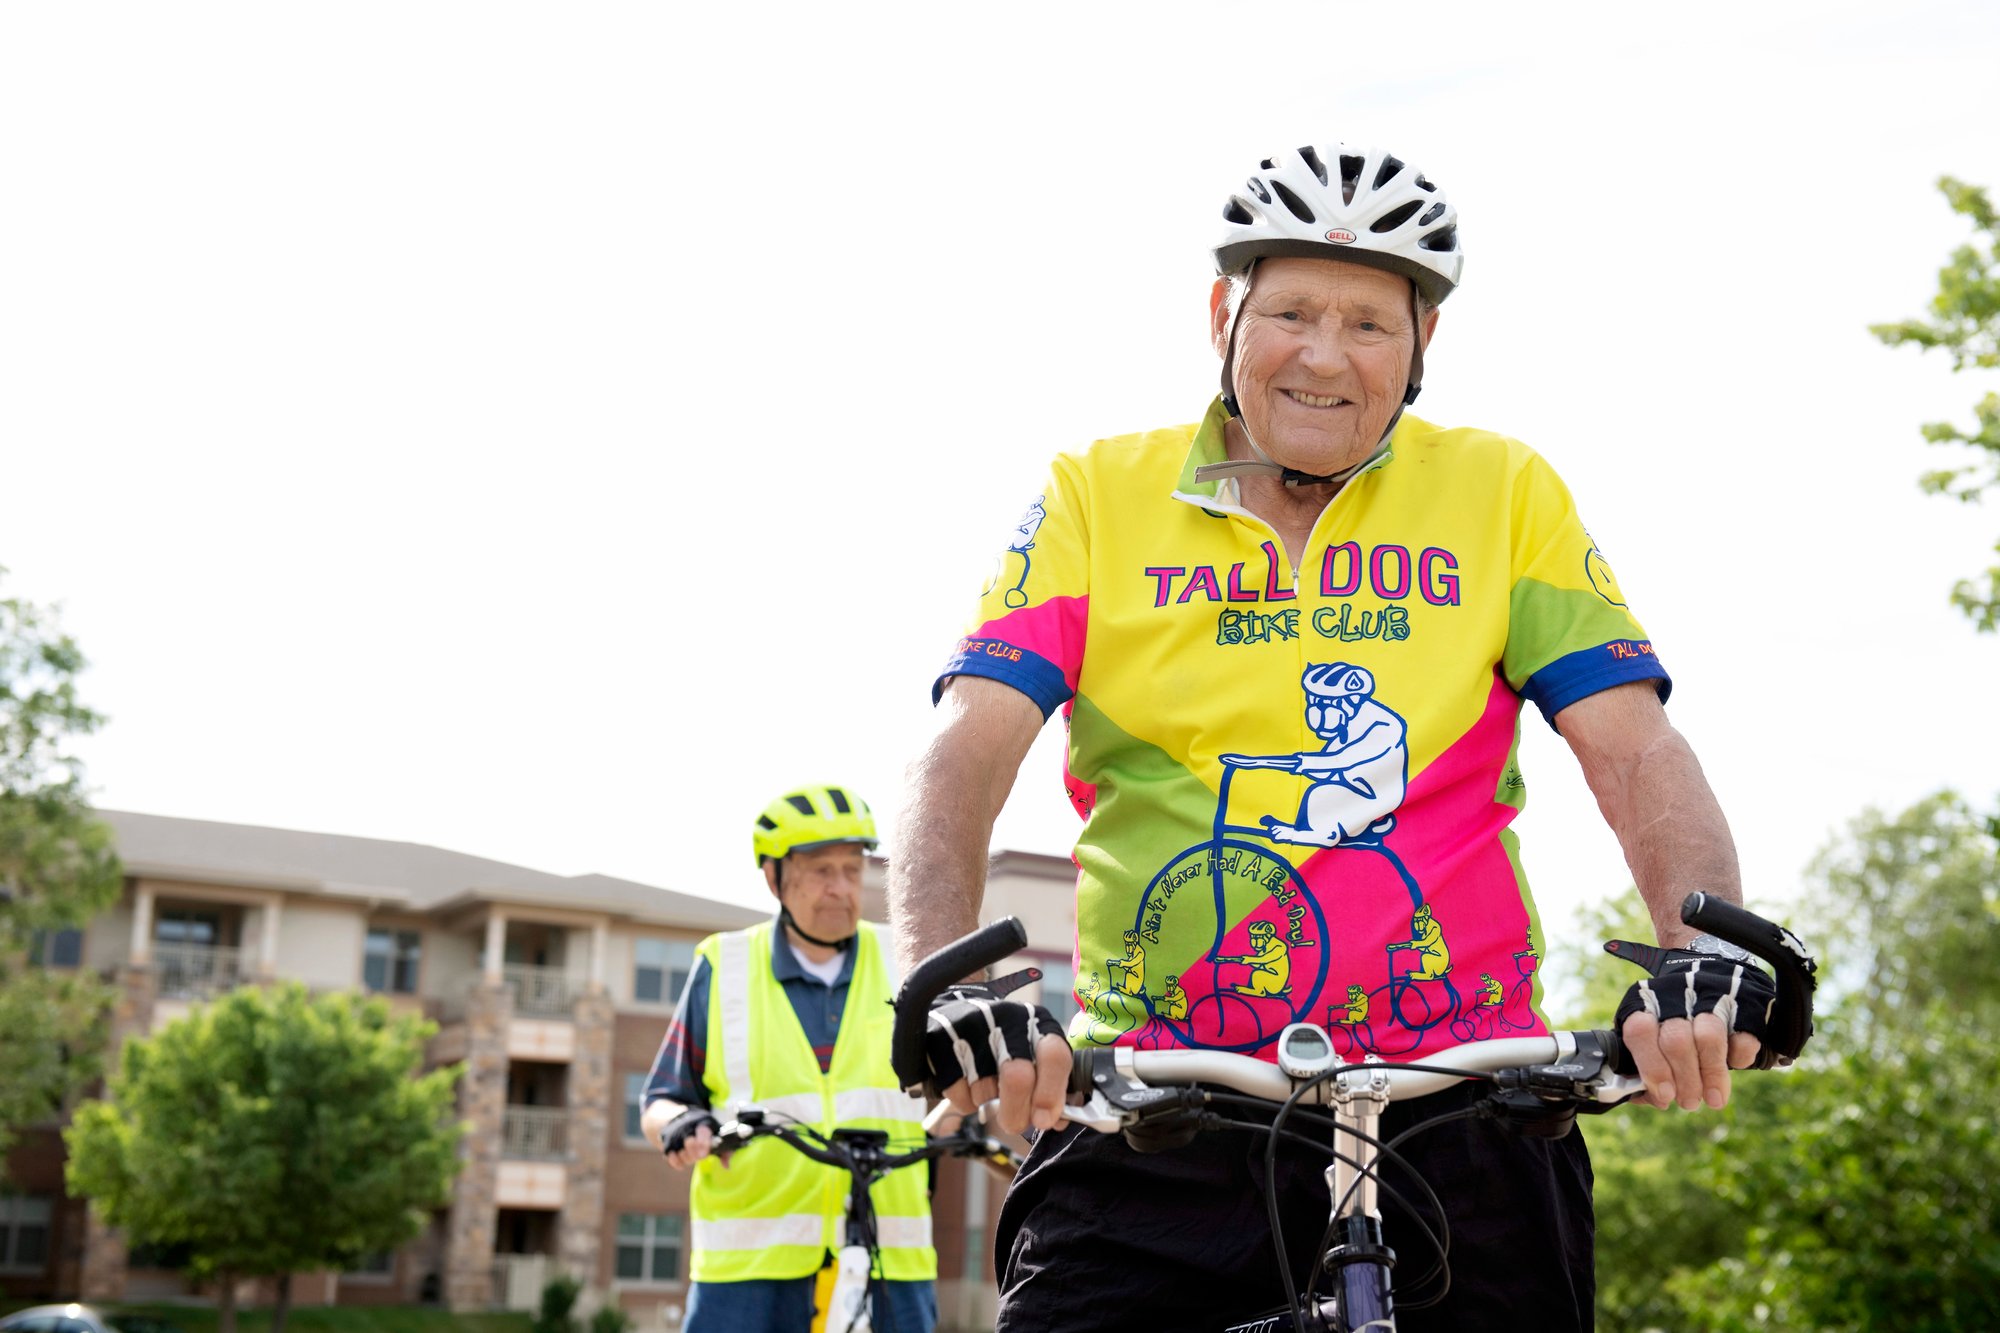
(772,1212)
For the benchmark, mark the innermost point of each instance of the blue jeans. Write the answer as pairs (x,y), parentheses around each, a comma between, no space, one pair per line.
(786,1306)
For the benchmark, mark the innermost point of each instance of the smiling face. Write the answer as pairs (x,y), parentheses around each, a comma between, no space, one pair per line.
(1323,351)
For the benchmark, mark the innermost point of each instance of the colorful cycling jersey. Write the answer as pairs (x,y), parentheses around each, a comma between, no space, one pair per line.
(1296,783)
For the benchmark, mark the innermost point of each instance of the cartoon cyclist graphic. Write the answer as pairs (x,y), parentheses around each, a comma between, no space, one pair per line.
(1427,939)
(1490,992)
(1174,1004)
(1270,965)
(1024,542)
(1357,1004)
(1358,779)
(1128,974)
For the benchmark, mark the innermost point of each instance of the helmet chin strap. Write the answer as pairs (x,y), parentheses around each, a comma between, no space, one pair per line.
(1263,462)
(790,921)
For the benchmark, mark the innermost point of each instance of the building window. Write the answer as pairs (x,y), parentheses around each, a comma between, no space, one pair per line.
(57,948)
(635,1098)
(24,1233)
(660,969)
(390,961)
(380,1264)
(179,925)
(649,1247)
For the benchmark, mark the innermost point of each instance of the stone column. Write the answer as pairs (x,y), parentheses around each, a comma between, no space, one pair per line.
(267,939)
(482,1102)
(580,1226)
(496,946)
(600,949)
(141,951)
(104,1256)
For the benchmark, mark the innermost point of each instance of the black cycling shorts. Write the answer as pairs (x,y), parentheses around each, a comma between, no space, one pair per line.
(1096,1238)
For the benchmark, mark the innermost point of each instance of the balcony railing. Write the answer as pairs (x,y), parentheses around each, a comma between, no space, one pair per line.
(518,1280)
(541,992)
(535,1134)
(196,971)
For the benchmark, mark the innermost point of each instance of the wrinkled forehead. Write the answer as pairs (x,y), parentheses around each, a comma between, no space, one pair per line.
(835,854)
(1331,279)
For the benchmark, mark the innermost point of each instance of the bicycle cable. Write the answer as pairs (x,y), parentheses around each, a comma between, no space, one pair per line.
(1441,1246)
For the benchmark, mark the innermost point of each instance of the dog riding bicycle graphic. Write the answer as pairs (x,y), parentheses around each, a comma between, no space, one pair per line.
(1241,945)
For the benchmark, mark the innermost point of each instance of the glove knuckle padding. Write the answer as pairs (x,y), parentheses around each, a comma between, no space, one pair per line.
(970,1033)
(683,1126)
(1688,983)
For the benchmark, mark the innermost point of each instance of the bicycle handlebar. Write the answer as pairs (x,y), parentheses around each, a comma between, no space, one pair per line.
(1562,1053)
(1791,1015)
(961,958)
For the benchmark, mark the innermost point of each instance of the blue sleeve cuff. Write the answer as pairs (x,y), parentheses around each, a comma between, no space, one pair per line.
(996,659)
(1588,671)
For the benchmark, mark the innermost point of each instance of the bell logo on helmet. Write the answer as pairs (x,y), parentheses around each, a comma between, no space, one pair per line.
(1341,236)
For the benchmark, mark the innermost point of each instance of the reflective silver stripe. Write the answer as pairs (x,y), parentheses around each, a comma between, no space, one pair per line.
(876,1104)
(761,1233)
(806,1107)
(732,994)
(903,1233)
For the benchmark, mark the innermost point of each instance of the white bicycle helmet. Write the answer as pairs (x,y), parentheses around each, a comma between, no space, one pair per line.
(1366,207)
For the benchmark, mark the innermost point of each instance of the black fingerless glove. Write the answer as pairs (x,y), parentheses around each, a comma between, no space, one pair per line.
(1685,983)
(682,1127)
(971,1031)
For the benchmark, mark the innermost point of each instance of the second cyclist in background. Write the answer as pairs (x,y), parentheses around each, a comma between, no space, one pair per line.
(790,1016)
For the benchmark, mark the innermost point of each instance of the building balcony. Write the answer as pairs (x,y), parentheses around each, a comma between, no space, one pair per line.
(541,992)
(196,971)
(535,1134)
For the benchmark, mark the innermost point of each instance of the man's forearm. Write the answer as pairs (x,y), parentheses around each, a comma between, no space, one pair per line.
(956,787)
(1652,792)
(1675,837)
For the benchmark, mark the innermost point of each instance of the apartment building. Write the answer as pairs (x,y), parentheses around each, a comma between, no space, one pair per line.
(551,990)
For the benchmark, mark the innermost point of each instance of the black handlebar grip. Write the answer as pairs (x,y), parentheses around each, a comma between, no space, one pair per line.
(959,959)
(1791,966)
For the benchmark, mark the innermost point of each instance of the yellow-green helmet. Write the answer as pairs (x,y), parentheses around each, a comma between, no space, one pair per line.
(812,817)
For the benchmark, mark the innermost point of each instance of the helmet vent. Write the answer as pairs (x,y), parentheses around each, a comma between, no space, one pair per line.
(1387,172)
(1396,217)
(1310,156)
(1293,202)
(1446,240)
(1425,185)
(766,823)
(1431,215)
(839,799)
(800,804)
(1350,176)
(1234,211)
(1257,188)
(1267,165)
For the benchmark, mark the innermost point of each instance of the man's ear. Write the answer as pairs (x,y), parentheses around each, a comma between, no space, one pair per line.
(1218,316)
(1429,326)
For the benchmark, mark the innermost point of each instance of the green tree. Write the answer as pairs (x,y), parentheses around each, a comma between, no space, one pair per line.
(1862,1189)
(1965,322)
(57,870)
(272,1132)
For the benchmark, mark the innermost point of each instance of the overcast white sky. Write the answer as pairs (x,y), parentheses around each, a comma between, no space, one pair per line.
(549,431)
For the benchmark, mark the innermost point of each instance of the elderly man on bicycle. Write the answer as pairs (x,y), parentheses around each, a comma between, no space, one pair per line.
(1448,569)
(791,1016)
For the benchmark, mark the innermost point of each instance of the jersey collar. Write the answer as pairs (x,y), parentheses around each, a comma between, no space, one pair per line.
(1210,446)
